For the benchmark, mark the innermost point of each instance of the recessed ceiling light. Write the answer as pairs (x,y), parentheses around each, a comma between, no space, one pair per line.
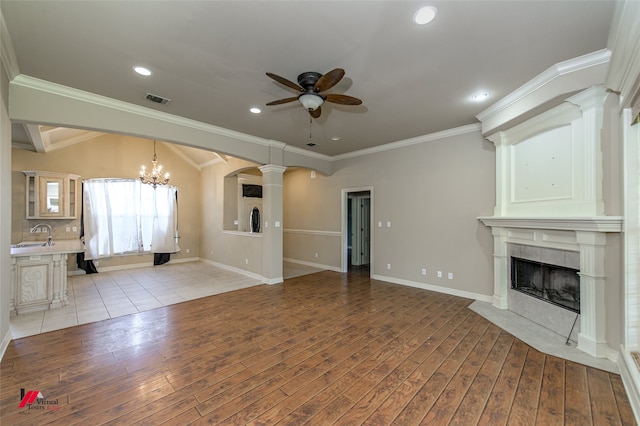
(255,110)
(424,15)
(480,96)
(335,138)
(142,71)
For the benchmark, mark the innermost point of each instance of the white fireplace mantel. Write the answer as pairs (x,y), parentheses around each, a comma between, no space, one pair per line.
(586,235)
(589,224)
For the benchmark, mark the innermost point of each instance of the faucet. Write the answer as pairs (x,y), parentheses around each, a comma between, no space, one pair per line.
(49,238)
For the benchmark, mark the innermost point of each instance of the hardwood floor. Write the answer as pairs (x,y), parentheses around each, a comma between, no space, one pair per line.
(319,349)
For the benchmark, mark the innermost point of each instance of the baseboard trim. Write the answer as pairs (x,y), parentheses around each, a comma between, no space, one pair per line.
(313,265)
(630,379)
(445,290)
(238,271)
(5,343)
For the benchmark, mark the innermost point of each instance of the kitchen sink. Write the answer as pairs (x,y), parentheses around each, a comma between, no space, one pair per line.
(29,244)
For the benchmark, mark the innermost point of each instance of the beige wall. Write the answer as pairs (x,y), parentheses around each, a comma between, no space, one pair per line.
(430,192)
(110,156)
(237,250)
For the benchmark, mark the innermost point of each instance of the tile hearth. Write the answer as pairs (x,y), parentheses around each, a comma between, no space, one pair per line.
(542,339)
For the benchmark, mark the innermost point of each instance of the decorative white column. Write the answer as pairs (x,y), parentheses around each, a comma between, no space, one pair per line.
(12,288)
(592,336)
(272,206)
(500,268)
(57,281)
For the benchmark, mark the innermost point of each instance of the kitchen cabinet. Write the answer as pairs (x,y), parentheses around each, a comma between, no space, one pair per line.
(51,195)
(39,275)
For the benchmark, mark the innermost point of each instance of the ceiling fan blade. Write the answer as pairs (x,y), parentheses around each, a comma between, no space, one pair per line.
(283,101)
(316,113)
(285,82)
(342,99)
(328,80)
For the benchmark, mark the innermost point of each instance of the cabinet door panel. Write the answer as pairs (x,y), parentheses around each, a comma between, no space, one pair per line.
(51,197)
(34,284)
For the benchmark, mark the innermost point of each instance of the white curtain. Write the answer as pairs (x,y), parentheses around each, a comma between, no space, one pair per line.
(164,235)
(124,216)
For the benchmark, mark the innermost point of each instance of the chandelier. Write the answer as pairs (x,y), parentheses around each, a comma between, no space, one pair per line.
(155,176)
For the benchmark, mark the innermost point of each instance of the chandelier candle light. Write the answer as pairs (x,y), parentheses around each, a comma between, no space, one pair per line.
(154,177)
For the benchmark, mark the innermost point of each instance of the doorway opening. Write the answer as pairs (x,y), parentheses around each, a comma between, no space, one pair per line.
(357,210)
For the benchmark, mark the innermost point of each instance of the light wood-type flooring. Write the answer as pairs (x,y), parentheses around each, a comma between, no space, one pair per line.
(320,349)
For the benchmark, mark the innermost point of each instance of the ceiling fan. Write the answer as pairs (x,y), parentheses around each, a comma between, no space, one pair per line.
(310,84)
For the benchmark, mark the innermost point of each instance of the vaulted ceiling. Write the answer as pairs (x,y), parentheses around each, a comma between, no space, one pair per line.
(210,59)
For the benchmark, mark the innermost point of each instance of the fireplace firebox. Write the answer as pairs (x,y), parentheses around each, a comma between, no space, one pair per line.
(555,284)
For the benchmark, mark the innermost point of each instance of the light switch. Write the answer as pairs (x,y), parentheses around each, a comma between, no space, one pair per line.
(388,224)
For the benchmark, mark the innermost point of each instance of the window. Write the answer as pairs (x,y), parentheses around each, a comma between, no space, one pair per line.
(123,216)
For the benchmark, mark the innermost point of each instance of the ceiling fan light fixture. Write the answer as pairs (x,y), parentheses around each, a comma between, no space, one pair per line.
(310,101)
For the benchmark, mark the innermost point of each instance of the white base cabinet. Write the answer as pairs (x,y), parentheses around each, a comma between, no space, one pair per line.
(38,283)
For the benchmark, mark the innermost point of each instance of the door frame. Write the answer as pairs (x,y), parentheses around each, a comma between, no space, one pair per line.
(344,262)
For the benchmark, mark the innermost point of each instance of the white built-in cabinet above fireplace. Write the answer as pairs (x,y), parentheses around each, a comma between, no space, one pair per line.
(551,165)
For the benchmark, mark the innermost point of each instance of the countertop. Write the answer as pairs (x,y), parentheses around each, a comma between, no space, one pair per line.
(59,246)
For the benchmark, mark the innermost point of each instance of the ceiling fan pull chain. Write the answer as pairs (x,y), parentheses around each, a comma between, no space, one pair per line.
(310,121)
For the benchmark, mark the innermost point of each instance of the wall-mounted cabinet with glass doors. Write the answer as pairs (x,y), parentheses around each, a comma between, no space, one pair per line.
(51,195)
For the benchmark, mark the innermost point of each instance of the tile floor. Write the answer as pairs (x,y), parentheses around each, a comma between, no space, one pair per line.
(107,295)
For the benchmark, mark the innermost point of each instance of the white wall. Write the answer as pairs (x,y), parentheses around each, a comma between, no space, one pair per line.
(5,212)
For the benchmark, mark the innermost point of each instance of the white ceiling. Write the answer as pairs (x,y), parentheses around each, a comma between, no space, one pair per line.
(210,59)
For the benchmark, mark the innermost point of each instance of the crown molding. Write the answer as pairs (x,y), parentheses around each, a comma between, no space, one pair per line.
(561,79)
(624,41)
(182,155)
(7,54)
(300,151)
(470,128)
(572,65)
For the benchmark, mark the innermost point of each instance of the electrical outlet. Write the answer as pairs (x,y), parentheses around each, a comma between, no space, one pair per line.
(424,271)
(75,229)
(388,266)
(316,255)
(246,261)
(439,274)
(188,250)
(68,229)
(450,275)
(388,224)
(379,224)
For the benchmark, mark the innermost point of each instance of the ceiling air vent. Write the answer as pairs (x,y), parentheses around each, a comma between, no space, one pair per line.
(157,99)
